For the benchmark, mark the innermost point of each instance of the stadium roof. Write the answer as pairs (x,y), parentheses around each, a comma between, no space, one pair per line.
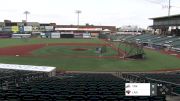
(165,17)
(27,67)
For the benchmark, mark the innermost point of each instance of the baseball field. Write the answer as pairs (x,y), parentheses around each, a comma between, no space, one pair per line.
(80,55)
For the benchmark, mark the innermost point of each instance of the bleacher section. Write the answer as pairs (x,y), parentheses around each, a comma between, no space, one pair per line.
(154,41)
(72,87)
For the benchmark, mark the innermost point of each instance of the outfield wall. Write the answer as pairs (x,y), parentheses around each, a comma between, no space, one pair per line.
(49,35)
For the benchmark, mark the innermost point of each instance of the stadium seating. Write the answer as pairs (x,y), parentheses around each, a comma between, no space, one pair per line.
(133,39)
(177,90)
(178,46)
(169,77)
(73,87)
(155,41)
(175,43)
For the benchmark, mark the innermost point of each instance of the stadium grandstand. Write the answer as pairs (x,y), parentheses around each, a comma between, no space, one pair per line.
(58,83)
(152,41)
(35,84)
(166,25)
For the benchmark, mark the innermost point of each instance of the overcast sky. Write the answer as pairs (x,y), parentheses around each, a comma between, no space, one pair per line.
(97,12)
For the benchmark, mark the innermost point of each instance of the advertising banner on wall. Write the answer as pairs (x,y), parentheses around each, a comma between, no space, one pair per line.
(66,29)
(35,29)
(42,28)
(90,29)
(79,29)
(7,29)
(27,28)
(94,34)
(15,29)
(49,28)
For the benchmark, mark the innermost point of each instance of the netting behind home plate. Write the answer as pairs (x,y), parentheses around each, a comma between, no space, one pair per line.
(132,50)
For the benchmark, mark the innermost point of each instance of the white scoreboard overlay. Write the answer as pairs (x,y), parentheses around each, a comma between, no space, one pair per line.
(140,89)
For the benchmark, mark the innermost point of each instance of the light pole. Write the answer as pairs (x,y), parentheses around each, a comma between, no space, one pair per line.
(169,19)
(78,12)
(169,8)
(26,13)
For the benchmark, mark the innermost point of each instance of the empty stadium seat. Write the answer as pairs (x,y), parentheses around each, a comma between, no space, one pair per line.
(73,87)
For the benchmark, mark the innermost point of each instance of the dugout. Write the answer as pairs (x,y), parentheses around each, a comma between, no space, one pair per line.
(50,71)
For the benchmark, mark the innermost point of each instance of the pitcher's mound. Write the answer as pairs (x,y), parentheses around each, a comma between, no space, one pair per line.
(79,49)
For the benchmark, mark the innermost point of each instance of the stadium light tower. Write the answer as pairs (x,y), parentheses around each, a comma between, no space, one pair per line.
(78,12)
(26,13)
(169,8)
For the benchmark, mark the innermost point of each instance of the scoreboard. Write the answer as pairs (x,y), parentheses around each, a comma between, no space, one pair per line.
(147,89)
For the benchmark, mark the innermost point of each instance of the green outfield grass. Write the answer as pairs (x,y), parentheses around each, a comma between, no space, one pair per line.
(154,60)
(15,42)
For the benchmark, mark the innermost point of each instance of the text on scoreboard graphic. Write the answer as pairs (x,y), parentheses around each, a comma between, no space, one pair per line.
(147,89)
